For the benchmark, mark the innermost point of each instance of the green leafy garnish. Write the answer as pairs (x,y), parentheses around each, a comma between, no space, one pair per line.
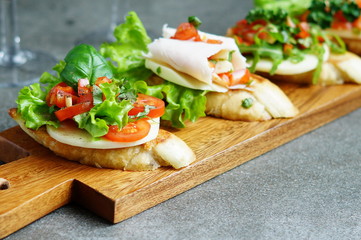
(323,13)
(126,57)
(247,103)
(84,61)
(195,21)
(276,35)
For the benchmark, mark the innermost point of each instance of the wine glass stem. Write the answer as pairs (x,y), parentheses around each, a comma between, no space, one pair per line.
(10,54)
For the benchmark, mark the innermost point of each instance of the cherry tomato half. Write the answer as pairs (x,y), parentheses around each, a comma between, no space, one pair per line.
(133,131)
(157,110)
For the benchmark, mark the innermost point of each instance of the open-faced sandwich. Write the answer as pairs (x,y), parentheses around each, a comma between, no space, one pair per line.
(206,62)
(282,47)
(85,114)
(339,17)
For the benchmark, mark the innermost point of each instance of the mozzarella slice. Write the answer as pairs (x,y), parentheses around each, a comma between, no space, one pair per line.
(287,67)
(81,138)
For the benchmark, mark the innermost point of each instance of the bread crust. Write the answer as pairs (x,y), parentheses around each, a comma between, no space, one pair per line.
(268,101)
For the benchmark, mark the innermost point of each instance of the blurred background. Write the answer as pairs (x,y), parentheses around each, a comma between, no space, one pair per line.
(55,26)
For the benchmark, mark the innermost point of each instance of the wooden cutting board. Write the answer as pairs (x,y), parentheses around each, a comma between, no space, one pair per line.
(41,182)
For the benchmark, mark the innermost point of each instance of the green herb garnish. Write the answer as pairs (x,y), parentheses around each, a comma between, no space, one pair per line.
(247,103)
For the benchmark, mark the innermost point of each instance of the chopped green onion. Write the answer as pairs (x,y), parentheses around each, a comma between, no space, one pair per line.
(196,22)
(247,103)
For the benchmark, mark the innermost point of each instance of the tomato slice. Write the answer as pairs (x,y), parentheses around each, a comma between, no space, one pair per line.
(143,100)
(70,112)
(133,131)
(186,31)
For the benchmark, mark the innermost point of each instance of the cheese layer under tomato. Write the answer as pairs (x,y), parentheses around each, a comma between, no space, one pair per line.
(80,138)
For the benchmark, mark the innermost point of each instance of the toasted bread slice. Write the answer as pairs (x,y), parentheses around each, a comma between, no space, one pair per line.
(268,101)
(166,150)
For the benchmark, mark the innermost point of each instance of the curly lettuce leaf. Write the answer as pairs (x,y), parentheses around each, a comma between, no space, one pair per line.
(32,105)
(131,42)
(182,103)
(126,56)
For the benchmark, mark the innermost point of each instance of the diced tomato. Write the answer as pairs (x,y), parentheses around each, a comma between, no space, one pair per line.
(341,25)
(133,131)
(357,23)
(83,87)
(304,16)
(339,16)
(340,22)
(259,23)
(240,77)
(304,30)
(287,48)
(101,80)
(186,31)
(58,94)
(157,110)
(214,41)
(70,112)
(86,98)
(263,35)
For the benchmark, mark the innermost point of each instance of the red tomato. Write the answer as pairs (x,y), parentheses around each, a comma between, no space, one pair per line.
(213,41)
(142,100)
(84,87)
(86,98)
(304,30)
(287,48)
(58,94)
(186,31)
(240,77)
(357,23)
(101,80)
(131,132)
(341,25)
(70,112)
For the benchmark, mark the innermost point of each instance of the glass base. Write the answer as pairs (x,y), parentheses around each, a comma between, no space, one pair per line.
(25,68)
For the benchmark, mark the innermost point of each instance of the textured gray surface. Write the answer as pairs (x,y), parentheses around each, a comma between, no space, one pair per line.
(306,189)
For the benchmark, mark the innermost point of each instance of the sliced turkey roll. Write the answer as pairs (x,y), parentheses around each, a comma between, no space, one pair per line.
(196,64)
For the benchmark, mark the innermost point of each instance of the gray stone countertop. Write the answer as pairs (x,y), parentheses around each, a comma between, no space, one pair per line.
(309,188)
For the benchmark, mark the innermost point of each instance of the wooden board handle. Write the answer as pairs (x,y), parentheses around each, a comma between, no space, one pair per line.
(33,192)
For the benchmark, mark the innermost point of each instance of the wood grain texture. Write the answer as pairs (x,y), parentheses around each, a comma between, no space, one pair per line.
(43,182)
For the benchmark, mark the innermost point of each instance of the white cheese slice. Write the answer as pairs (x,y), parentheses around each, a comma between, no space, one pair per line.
(81,138)
(287,67)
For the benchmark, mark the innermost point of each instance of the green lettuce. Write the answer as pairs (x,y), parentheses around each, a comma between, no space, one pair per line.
(32,105)
(112,111)
(294,7)
(126,56)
